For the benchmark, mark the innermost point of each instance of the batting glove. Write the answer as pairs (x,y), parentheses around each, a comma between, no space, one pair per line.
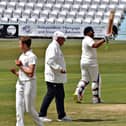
(108,37)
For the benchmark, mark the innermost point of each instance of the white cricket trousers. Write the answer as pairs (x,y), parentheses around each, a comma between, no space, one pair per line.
(90,72)
(25,97)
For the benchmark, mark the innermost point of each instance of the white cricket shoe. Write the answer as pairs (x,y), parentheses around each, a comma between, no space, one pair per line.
(45,119)
(77,98)
(96,100)
(65,119)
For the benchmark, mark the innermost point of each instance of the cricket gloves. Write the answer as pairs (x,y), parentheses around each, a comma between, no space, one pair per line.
(108,37)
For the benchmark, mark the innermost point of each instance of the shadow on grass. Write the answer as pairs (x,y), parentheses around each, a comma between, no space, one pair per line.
(92,120)
(102,103)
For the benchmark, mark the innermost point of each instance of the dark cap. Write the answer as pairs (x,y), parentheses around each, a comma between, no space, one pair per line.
(88,29)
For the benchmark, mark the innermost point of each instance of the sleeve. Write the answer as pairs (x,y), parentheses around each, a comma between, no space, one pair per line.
(32,60)
(90,42)
(51,59)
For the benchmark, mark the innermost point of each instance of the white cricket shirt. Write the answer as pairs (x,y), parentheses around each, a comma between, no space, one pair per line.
(89,54)
(27,59)
(54,62)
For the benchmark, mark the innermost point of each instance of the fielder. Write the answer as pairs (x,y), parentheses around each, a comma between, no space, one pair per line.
(89,66)
(26,83)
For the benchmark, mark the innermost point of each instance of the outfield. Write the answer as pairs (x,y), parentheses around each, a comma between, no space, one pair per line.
(112,64)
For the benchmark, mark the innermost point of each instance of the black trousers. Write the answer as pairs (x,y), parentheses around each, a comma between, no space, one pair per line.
(56,91)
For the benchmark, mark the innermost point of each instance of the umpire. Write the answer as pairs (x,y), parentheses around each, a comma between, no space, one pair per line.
(55,77)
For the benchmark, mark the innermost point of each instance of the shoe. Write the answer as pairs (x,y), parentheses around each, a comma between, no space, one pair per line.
(45,119)
(65,119)
(96,100)
(77,98)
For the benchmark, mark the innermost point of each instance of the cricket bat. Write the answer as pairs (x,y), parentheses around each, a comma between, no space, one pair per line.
(110,24)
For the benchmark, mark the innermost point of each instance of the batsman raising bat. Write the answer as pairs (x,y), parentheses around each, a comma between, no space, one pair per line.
(89,64)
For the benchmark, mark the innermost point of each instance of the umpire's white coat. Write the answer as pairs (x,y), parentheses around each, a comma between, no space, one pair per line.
(54,62)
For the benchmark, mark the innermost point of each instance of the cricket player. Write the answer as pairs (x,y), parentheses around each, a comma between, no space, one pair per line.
(89,66)
(26,83)
(55,77)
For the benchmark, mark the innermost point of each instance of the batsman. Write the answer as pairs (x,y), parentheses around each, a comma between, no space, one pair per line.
(89,64)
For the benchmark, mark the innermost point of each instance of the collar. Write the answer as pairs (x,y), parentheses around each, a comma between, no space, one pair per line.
(28,52)
(54,41)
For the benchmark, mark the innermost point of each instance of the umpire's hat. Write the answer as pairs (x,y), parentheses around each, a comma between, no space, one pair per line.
(58,34)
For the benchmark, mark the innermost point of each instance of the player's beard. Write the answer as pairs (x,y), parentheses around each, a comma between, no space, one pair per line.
(92,36)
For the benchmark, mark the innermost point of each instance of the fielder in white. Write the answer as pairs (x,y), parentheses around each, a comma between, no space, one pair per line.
(89,67)
(26,83)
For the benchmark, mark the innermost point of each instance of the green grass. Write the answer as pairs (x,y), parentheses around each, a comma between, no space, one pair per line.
(112,66)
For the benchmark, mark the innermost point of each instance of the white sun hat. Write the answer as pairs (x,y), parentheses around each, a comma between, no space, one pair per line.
(58,34)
